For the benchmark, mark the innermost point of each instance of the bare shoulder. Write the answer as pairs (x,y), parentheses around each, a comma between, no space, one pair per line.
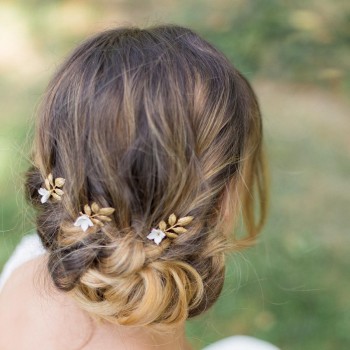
(21,274)
(16,300)
(17,289)
(30,306)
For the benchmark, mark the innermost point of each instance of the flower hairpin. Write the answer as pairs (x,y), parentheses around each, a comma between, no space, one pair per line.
(93,215)
(175,228)
(52,188)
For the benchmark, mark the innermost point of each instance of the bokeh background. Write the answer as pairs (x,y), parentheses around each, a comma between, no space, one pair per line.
(293,287)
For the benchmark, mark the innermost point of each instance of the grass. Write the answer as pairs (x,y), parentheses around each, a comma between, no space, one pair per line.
(291,289)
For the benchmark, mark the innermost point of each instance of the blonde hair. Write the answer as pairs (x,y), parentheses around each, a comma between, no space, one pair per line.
(150,122)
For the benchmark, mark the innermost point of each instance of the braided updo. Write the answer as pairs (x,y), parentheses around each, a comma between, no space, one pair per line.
(150,122)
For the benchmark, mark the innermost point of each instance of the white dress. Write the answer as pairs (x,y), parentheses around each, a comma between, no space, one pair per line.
(30,247)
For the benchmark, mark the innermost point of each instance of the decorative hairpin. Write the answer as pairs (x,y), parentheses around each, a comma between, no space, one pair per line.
(88,219)
(52,188)
(175,228)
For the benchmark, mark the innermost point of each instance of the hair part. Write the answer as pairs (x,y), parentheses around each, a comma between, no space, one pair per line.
(150,122)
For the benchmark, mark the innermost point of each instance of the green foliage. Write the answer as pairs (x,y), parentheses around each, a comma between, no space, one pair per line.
(298,41)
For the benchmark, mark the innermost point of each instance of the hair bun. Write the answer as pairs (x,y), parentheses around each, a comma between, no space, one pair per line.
(126,281)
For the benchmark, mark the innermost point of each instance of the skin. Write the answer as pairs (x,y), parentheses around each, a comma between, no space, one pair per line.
(48,320)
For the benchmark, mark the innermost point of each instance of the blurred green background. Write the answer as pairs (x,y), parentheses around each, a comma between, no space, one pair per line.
(293,287)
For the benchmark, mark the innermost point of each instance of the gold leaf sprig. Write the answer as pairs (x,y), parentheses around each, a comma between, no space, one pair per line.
(53,188)
(175,226)
(98,215)
(93,215)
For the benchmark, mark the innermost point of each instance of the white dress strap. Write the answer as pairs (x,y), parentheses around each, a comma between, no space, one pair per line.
(28,248)
(241,342)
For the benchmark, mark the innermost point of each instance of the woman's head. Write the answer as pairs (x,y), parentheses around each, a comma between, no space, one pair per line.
(150,122)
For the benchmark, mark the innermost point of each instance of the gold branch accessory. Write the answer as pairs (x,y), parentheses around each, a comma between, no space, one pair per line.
(172,229)
(52,188)
(93,215)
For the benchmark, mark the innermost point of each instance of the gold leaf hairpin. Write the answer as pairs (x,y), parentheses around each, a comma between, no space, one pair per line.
(93,215)
(52,188)
(172,229)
